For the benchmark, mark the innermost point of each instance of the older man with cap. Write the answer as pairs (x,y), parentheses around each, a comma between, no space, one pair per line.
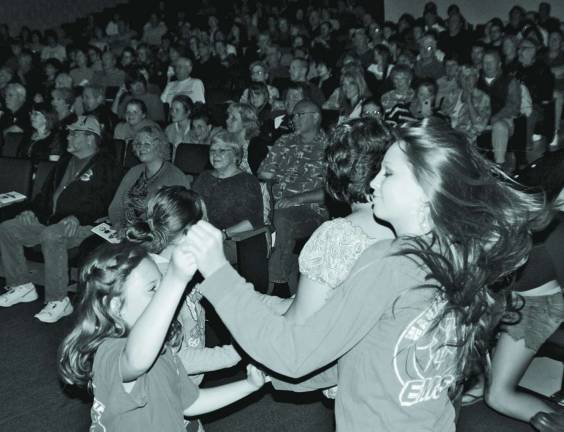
(77,191)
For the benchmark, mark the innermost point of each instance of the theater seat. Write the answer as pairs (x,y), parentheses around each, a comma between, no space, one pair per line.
(192,159)
(12,141)
(15,176)
(253,252)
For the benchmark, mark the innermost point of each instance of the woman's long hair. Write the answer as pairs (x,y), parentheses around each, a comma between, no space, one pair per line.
(480,234)
(101,280)
(170,210)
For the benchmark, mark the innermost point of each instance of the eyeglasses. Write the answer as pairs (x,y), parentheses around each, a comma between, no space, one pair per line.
(220,151)
(301,114)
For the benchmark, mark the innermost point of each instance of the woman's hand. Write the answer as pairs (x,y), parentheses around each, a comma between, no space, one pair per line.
(255,377)
(183,262)
(205,243)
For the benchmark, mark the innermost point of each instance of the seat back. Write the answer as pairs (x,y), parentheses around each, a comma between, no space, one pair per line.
(12,141)
(16,175)
(41,173)
(192,159)
(252,257)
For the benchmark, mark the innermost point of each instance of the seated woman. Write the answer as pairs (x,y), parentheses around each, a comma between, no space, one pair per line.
(242,121)
(178,131)
(353,159)
(42,142)
(81,74)
(233,197)
(402,94)
(422,106)
(539,283)
(259,74)
(351,93)
(62,101)
(135,120)
(258,99)
(467,107)
(153,150)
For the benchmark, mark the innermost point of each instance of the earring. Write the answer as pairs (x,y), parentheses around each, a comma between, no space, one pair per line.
(423,217)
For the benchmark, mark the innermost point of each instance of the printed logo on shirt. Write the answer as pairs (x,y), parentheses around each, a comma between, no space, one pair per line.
(96,413)
(424,361)
(86,176)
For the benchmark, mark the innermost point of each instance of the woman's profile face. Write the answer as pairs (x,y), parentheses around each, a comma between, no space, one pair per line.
(178,112)
(397,196)
(222,156)
(234,122)
(350,89)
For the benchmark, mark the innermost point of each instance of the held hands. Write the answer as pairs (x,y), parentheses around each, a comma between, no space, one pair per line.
(27,217)
(255,377)
(70,224)
(205,243)
(183,261)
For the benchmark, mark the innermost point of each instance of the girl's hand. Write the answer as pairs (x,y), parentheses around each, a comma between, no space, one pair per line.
(183,262)
(205,243)
(255,377)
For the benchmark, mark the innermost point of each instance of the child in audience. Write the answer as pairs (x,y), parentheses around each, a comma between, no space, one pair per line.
(124,347)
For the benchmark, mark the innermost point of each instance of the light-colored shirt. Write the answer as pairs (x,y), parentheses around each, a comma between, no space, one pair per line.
(192,87)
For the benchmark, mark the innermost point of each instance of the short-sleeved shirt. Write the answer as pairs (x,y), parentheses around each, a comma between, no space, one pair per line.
(297,167)
(331,251)
(156,402)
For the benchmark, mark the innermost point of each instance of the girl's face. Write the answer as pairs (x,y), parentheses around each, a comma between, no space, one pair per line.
(138,290)
(177,112)
(350,89)
(234,122)
(257,99)
(133,114)
(38,120)
(80,59)
(222,156)
(57,102)
(397,196)
(401,82)
(200,130)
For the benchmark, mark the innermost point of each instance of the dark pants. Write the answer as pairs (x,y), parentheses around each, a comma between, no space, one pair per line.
(291,224)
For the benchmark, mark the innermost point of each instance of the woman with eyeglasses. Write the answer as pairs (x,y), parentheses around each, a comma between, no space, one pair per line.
(232,196)
(155,170)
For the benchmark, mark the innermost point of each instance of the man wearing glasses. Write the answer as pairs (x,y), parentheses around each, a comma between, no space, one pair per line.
(294,166)
(76,193)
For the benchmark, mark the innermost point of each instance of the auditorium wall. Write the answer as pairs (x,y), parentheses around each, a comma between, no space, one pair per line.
(43,14)
(475,11)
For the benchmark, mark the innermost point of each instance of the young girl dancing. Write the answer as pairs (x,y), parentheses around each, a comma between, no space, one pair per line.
(123,347)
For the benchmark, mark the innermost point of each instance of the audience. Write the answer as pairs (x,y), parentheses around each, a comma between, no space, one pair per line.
(250,80)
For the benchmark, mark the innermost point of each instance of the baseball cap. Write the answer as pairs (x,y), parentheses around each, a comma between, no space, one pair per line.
(86,124)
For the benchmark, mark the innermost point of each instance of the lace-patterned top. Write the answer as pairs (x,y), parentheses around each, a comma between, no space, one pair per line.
(332,250)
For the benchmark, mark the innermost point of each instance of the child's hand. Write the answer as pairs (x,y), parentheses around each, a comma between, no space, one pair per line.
(256,377)
(183,262)
(205,242)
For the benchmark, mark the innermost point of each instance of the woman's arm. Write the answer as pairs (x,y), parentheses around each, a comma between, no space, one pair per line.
(200,360)
(311,296)
(288,348)
(240,227)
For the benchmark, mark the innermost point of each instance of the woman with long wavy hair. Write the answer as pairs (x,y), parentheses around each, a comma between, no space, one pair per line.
(416,312)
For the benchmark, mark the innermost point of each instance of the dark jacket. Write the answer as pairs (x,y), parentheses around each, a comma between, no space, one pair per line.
(87,197)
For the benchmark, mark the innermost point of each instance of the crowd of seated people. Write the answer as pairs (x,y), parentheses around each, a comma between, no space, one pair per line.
(264,86)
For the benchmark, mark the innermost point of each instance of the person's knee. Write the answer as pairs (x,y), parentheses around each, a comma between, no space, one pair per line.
(500,128)
(51,234)
(8,227)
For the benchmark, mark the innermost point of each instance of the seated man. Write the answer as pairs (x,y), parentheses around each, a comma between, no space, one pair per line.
(184,84)
(295,167)
(505,100)
(15,118)
(94,102)
(76,193)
